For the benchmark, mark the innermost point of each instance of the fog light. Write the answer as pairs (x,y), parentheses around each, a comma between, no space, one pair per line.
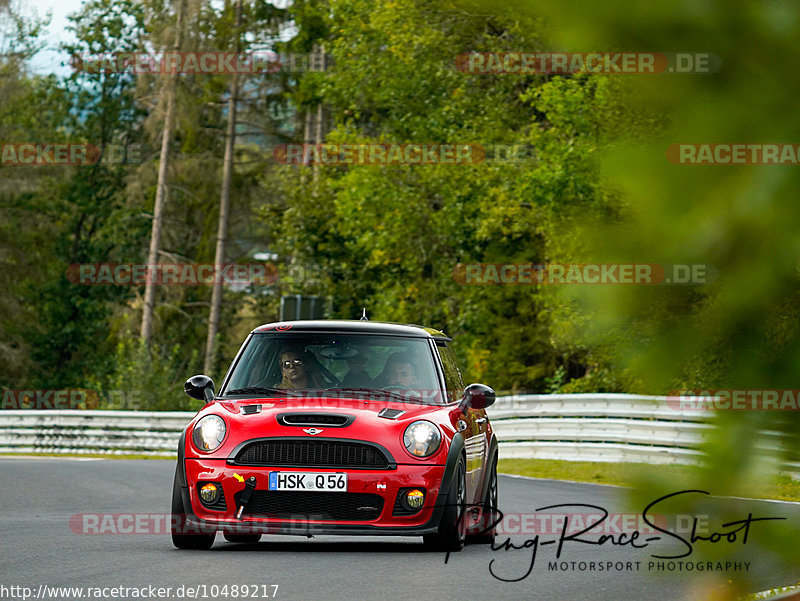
(415,498)
(209,493)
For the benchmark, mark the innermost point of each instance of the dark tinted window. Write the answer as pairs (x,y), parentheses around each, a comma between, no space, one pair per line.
(452,375)
(331,362)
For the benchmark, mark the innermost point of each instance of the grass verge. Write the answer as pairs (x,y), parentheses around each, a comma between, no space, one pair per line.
(783,488)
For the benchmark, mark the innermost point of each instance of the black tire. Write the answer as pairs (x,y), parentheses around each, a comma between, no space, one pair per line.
(185,541)
(489,508)
(450,536)
(241,538)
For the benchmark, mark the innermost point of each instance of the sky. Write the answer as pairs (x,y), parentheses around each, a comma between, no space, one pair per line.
(49,60)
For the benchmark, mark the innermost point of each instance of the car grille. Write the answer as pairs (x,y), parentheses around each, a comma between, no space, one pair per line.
(300,505)
(312,453)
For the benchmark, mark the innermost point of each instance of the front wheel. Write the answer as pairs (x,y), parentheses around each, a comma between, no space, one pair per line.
(451,534)
(178,524)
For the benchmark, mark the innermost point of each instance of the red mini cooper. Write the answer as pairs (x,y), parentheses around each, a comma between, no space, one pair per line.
(338,427)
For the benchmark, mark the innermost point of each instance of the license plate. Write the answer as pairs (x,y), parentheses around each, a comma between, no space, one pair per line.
(311,481)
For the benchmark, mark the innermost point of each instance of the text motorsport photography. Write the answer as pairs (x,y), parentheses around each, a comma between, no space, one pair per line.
(654,541)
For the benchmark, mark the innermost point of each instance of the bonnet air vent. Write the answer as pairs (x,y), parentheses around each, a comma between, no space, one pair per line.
(248,409)
(334,420)
(390,413)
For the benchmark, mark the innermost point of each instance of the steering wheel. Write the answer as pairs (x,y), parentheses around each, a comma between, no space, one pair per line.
(411,393)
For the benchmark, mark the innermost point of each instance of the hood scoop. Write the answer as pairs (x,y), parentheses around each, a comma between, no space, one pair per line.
(388,413)
(250,409)
(331,420)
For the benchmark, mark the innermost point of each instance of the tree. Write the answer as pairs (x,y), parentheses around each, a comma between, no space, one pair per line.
(741,330)
(161,186)
(224,204)
(19,258)
(69,214)
(391,237)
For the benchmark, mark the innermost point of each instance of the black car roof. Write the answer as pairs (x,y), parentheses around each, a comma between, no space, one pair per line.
(354,326)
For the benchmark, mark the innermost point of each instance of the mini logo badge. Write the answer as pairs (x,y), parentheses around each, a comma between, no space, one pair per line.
(311,431)
(380,486)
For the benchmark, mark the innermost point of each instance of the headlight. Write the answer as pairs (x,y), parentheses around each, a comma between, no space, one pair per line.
(208,433)
(422,438)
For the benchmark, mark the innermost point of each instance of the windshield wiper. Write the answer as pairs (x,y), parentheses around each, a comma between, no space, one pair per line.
(260,389)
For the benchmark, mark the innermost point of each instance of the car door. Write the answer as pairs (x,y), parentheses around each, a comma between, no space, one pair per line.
(475,420)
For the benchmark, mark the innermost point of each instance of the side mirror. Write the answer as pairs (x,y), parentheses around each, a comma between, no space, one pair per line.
(477,396)
(200,388)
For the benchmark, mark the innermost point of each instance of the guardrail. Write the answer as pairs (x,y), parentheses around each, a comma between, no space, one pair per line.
(604,427)
(92,432)
(577,427)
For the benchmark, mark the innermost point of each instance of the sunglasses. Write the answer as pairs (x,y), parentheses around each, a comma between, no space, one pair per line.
(288,364)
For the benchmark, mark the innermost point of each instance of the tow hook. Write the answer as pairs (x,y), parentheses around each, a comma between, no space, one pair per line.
(244,498)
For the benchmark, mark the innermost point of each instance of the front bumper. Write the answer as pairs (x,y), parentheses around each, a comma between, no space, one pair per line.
(384,483)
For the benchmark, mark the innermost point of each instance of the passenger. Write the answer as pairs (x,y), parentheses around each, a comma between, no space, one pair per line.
(398,371)
(401,373)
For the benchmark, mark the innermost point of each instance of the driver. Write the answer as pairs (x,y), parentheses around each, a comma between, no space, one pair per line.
(400,371)
(296,369)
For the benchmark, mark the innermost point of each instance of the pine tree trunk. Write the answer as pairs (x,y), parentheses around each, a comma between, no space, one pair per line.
(161,189)
(222,226)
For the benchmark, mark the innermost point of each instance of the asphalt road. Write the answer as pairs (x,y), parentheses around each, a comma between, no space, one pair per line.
(43,544)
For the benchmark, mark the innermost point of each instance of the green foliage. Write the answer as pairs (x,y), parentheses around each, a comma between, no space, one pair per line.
(54,333)
(739,332)
(144,379)
(80,207)
(390,237)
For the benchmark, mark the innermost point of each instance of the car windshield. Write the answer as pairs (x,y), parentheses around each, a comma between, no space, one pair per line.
(369,365)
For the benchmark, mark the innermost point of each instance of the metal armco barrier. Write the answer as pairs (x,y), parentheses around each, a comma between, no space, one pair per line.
(603,427)
(91,432)
(573,427)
